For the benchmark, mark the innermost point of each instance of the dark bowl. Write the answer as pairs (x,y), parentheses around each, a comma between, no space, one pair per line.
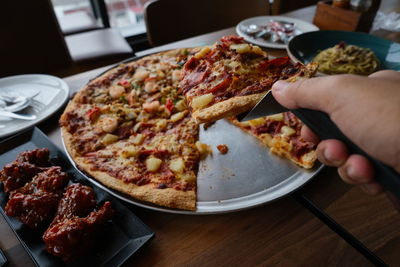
(304,47)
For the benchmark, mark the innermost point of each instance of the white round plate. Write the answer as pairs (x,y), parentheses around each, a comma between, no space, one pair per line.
(50,94)
(301,27)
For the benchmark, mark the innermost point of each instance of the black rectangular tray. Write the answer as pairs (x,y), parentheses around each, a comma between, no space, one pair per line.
(118,241)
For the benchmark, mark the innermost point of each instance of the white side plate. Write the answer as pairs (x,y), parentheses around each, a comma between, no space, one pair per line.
(301,27)
(53,93)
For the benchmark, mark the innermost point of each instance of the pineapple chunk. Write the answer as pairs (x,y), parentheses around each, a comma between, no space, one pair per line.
(109,138)
(257,122)
(288,131)
(266,138)
(202,101)
(130,151)
(204,51)
(245,123)
(257,50)
(143,116)
(241,48)
(181,105)
(178,116)
(276,117)
(161,124)
(233,64)
(204,149)
(248,48)
(153,164)
(177,165)
(138,139)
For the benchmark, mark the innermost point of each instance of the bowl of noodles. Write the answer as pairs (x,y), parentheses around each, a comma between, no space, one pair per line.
(342,52)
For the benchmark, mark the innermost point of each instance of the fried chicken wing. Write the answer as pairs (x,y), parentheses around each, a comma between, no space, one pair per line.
(35,203)
(73,230)
(38,157)
(27,164)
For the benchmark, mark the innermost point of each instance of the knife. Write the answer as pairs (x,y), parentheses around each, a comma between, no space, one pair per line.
(320,123)
(17,116)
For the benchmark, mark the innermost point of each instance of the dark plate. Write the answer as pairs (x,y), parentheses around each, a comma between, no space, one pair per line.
(122,237)
(306,46)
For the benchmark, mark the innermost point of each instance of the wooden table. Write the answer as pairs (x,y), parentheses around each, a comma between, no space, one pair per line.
(283,233)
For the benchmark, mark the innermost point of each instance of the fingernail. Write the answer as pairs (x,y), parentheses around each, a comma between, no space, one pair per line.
(345,177)
(280,86)
(354,176)
(331,159)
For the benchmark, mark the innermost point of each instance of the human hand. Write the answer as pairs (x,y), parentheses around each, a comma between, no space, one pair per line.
(366,110)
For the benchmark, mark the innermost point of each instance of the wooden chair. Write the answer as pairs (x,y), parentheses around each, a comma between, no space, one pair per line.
(76,22)
(172,20)
(32,42)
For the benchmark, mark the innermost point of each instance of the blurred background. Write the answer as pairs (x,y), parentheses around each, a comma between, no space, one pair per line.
(126,15)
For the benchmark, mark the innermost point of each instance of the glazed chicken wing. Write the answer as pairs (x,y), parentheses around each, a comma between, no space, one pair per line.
(36,202)
(27,164)
(73,230)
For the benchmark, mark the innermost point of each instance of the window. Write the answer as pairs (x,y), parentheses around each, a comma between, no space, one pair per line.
(81,15)
(127,15)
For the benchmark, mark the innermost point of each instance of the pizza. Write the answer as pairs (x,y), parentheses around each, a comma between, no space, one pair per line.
(231,76)
(281,133)
(132,130)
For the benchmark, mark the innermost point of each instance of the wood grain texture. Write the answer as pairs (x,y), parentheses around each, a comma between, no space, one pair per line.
(280,234)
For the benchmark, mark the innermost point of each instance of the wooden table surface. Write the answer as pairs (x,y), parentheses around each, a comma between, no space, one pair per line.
(283,233)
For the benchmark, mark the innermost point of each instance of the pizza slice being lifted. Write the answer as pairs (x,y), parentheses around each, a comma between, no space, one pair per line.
(231,76)
(281,133)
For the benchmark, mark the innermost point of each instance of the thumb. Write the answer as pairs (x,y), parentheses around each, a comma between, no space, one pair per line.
(315,93)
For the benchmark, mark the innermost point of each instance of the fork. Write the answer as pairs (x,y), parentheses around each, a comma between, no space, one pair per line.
(37,105)
(17,103)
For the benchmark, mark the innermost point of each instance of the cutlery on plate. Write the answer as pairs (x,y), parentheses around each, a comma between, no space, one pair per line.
(16,106)
(17,116)
(16,103)
(325,128)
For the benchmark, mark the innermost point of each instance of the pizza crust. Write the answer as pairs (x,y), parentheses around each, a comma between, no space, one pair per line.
(167,197)
(227,108)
